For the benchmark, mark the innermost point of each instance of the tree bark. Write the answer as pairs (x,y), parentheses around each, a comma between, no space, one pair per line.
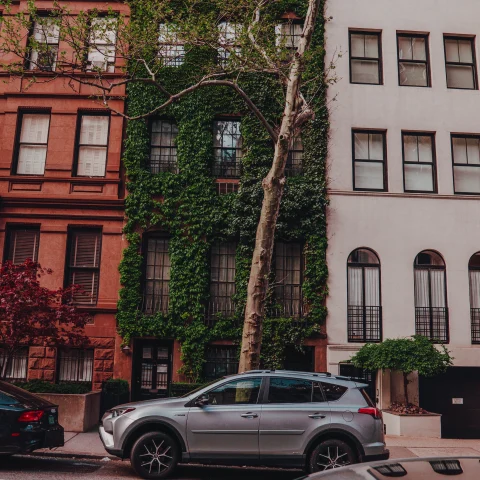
(272,185)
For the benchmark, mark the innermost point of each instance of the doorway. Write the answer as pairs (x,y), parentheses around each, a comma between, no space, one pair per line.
(152,369)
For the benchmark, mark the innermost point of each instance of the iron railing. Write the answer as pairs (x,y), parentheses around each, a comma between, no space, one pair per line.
(432,322)
(163,163)
(364,324)
(223,169)
(294,165)
(216,309)
(154,302)
(475,321)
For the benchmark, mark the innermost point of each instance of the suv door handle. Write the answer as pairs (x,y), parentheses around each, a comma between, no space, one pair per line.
(317,415)
(249,415)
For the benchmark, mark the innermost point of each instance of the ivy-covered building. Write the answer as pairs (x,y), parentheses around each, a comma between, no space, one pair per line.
(194,178)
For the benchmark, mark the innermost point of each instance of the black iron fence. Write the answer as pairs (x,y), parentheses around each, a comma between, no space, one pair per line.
(364,324)
(163,163)
(432,322)
(475,321)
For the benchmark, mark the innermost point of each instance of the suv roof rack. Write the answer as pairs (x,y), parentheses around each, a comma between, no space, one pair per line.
(292,372)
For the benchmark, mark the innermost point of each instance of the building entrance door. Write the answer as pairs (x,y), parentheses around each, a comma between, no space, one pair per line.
(152,369)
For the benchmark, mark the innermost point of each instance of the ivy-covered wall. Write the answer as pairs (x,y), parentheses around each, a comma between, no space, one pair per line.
(187,207)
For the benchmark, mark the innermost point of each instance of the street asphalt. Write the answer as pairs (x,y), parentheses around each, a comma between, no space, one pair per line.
(53,468)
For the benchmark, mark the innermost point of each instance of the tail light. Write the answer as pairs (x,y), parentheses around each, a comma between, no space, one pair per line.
(31,416)
(372,411)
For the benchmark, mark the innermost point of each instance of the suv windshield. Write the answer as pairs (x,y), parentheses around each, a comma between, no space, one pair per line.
(200,388)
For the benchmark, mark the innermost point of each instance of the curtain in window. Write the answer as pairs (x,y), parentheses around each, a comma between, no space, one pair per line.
(436,291)
(92,155)
(157,276)
(33,144)
(75,365)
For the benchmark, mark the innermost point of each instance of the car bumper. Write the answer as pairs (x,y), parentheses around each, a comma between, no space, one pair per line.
(30,439)
(108,443)
(385,455)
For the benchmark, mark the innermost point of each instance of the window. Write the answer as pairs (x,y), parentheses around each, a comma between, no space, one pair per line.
(75,365)
(365,58)
(14,368)
(369,160)
(413,60)
(460,63)
(227,187)
(171,50)
(83,263)
(32,145)
(163,149)
(222,279)
(431,312)
(294,165)
(332,391)
(289,390)
(466,163)
(288,34)
(419,162)
(22,243)
(227,146)
(288,279)
(92,145)
(364,315)
(229,34)
(244,391)
(157,276)
(101,51)
(220,360)
(45,38)
(474,280)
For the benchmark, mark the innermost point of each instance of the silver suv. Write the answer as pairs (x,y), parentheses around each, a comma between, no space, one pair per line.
(314,421)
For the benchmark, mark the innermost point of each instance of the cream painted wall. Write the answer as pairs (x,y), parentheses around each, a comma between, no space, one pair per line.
(396,225)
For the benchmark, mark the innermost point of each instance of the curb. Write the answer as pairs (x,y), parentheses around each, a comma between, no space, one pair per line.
(73,455)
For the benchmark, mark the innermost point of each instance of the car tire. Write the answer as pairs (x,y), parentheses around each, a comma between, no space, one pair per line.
(330,454)
(155,455)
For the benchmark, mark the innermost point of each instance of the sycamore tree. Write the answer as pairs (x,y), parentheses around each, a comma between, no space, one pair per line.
(34,315)
(84,47)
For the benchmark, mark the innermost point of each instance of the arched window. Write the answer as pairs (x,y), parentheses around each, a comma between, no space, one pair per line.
(431,310)
(364,304)
(474,280)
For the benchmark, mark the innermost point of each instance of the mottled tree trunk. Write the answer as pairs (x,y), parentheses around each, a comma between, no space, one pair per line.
(273,185)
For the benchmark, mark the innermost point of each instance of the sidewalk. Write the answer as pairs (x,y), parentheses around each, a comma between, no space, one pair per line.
(89,445)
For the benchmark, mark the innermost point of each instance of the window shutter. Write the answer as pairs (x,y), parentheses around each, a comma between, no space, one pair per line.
(88,280)
(94,130)
(34,128)
(85,250)
(91,161)
(23,245)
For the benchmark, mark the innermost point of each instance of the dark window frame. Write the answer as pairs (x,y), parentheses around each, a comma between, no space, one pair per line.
(426,37)
(18,133)
(433,163)
(41,14)
(474,311)
(295,158)
(13,227)
(383,133)
(218,168)
(78,132)
(378,34)
(90,68)
(472,39)
(172,167)
(378,265)
(72,230)
(217,360)
(61,351)
(473,165)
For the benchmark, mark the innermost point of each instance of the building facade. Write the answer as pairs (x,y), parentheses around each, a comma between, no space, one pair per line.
(404,188)
(62,196)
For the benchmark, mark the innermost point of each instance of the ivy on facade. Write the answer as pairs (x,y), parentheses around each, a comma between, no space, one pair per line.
(187,207)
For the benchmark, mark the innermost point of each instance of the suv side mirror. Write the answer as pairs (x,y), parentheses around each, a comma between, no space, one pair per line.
(201,401)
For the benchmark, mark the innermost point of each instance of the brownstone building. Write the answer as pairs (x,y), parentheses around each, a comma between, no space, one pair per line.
(62,196)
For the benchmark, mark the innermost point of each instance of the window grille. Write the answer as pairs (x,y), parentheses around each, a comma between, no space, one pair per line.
(32,148)
(227,143)
(83,264)
(22,243)
(75,365)
(163,150)
(220,361)
(229,34)
(157,276)
(171,49)
(294,165)
(224,188)
(474,280)
(364,310)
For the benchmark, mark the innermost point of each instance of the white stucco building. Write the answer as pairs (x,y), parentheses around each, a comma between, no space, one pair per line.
(404,162)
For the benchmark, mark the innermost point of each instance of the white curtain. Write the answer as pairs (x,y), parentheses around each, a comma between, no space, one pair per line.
(92,156)
(33,144)
(474,288)
(437,288)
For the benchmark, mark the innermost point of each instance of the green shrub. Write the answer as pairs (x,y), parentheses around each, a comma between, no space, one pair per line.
(117,386)
(40,386)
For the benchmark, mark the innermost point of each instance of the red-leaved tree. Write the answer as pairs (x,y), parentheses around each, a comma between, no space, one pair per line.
(34,315)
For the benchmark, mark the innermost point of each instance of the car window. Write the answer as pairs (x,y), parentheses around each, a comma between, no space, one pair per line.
(332,391)
(289,390)
(243,391)
(7,399)
(318,395)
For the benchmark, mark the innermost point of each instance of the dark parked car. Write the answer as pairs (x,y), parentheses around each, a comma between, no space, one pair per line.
(27,422)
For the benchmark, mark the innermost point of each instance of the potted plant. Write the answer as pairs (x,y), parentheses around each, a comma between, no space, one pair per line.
(418,355)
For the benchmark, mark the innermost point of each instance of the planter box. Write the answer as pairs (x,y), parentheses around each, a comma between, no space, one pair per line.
(76,413)
(413,425)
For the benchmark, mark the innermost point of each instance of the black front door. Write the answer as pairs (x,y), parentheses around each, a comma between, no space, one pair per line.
(152,369)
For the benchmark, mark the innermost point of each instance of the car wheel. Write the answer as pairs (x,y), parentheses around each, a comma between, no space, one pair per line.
(331,454)
(155,455)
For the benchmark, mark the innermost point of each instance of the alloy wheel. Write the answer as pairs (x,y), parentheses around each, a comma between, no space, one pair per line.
(156,458)
(332,457)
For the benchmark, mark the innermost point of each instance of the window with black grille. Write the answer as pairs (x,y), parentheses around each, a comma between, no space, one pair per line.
(364,310)
(171,48)
(223,188)
(419,162)
(14,366)
(365,57)
(75,365)
(163,149)
(413,60)
(83,263)
(22,243)
(466,164)
(227,145)
(157,276)
(474,280)
(431,310)
(222,279)
(294,165)
(288,280)
(221,360)
(460,62)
